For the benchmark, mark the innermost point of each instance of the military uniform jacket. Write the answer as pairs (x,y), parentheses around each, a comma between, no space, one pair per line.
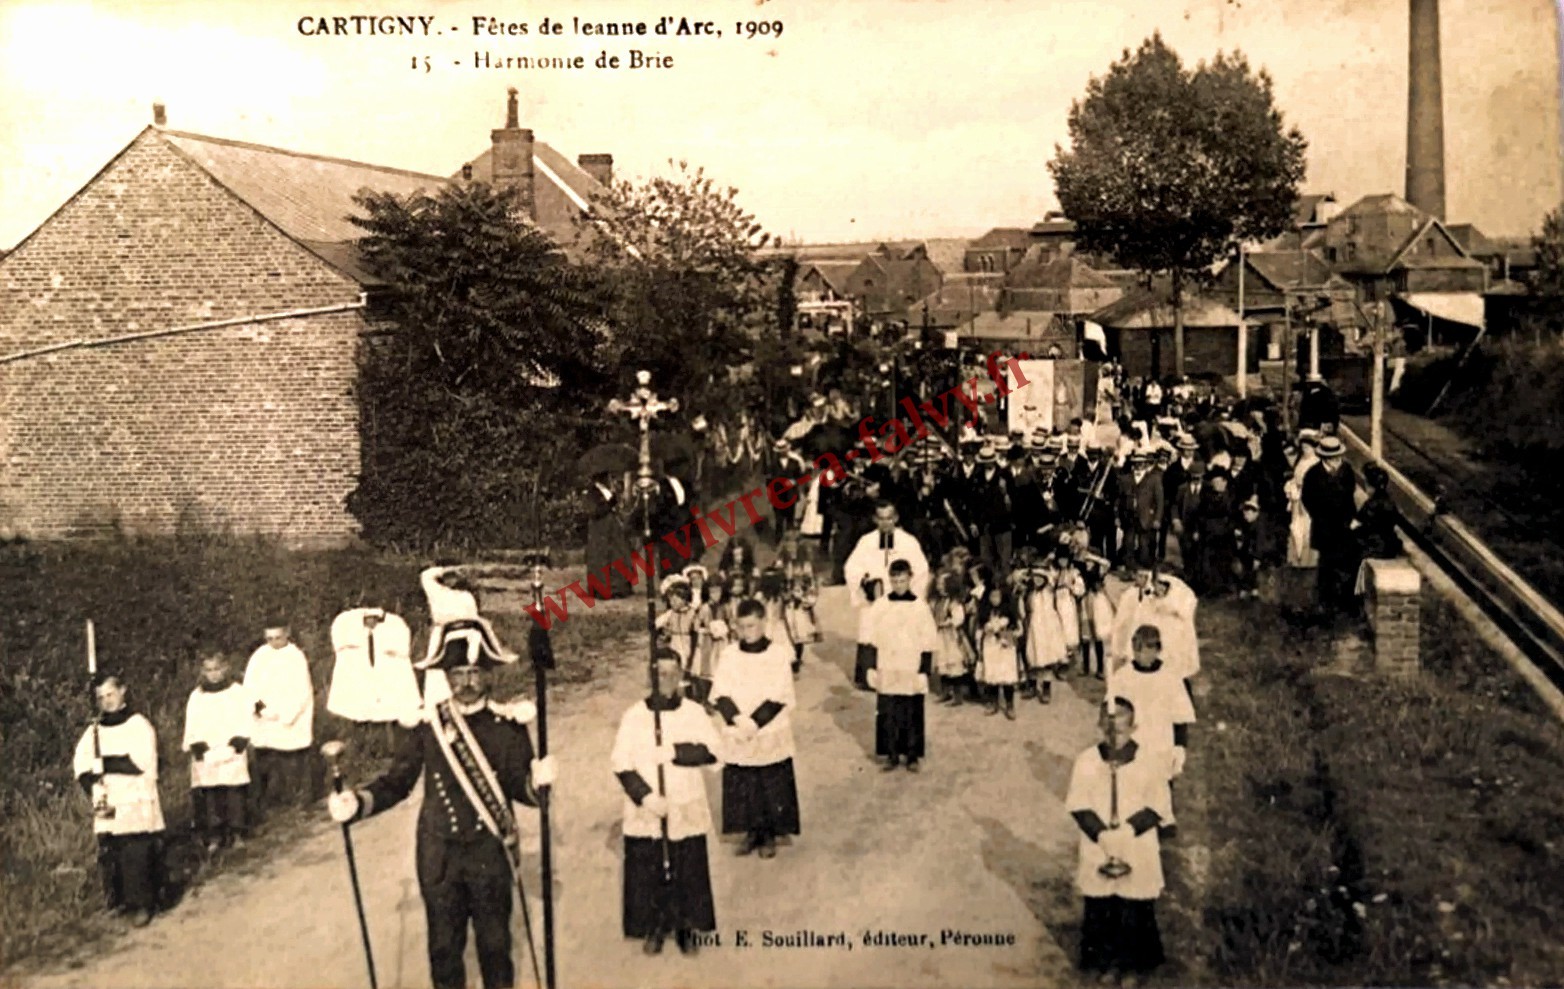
(448,824)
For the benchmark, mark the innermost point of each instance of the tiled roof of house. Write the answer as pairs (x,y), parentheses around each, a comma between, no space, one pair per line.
(1041,269)
(563,190)
(308,197)
(1142,309)
(1474,241)
(1012,237)
(1290,269)
(833,273)
(1019,324)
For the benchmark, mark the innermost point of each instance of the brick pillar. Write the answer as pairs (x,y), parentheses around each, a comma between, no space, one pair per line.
(1393,602)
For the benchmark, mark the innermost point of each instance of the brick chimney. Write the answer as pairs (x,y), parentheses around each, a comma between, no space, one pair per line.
(512,153)
(600,167)
(1425,111)
(159,115)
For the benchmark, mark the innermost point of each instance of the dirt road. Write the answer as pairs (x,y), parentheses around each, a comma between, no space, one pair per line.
(960,847)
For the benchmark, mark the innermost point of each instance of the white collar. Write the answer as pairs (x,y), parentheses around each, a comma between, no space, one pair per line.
(607,491)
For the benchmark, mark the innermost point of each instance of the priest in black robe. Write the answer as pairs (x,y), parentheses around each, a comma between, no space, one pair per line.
(665,807)
(606,539)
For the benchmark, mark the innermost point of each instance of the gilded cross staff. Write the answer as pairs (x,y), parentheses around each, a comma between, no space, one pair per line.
(643,406)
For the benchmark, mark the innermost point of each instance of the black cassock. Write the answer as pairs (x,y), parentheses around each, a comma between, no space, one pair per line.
(464,873)
(606,540)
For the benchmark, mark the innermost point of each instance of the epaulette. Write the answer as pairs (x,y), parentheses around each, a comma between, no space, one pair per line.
(520,711)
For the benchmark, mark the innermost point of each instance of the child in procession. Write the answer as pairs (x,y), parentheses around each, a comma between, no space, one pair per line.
(218,718)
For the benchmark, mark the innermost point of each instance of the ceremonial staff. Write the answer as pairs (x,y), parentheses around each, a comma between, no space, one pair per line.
(541,648)
(1114,867)
(642,407)
(332,751)
(100,801)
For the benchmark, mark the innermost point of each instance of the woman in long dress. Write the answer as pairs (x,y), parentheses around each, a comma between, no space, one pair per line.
(1299,552)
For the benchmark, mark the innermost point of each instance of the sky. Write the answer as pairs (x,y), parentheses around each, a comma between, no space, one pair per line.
(865,119)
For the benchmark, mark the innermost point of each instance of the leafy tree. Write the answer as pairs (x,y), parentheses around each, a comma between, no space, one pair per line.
(466,397)
(1170,169)
(1548,280)
(689,292)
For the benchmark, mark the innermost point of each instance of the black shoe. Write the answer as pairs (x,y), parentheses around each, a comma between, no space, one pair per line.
(750,843)
(1010,711)
(891,764)
(912,766)
(653,945)
(769,849)
(688,944)
(141,918)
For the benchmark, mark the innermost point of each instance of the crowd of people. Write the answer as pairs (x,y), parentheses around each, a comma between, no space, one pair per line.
(983,570)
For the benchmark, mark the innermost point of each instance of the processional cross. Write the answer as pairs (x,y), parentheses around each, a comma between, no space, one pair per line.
(643,406)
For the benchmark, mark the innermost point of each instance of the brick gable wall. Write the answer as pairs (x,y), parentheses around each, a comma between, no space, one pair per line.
(253,427)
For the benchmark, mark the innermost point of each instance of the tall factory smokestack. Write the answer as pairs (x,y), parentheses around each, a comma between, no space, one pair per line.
(1425,112)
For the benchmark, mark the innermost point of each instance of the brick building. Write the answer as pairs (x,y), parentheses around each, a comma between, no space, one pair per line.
(179,340)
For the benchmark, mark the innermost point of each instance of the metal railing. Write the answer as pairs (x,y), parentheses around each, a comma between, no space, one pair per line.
(1529,619)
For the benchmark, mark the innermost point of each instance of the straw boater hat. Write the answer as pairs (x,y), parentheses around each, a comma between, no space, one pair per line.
(987,455)
(1308,436)
(970,437)
(1187,442)
(1330,446)
(781,444)
(695,570)
(1038,440)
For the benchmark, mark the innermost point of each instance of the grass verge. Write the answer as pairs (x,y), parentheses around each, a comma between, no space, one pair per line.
(1364,831)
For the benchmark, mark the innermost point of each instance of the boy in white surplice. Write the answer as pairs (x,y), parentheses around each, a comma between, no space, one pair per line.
(902,638)
(680,904)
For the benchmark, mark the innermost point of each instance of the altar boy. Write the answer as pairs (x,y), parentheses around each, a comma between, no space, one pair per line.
(901,638)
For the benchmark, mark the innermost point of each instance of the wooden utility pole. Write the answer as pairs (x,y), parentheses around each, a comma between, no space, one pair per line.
(1243,331)
(1377,392)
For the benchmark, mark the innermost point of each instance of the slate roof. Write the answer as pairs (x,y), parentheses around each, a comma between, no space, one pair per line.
(562,189)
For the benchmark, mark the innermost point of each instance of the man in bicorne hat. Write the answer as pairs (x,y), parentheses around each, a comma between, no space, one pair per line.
(475,757)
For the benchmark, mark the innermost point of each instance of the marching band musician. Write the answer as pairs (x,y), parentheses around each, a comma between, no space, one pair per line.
(474,757)
(868,572)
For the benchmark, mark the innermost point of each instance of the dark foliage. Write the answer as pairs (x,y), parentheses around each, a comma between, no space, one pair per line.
(471,399)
